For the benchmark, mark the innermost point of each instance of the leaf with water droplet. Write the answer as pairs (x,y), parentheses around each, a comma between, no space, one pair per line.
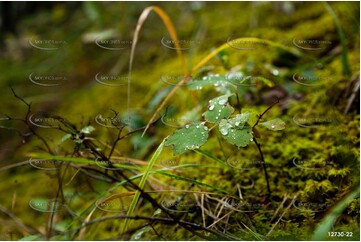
(235,135)
(239,120)
(218,109)
(188,138)
(274,124)
(211,79)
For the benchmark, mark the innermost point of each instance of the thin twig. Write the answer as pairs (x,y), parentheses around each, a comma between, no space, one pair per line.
(16,220)
(280,206)
(265,111)
(284,212)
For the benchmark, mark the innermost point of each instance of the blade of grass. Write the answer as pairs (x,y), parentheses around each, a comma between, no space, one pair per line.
(142,184)
(254,234)
(192,181)
(327,222)
(79,160)
(345,65)
(208,155)
(173,34)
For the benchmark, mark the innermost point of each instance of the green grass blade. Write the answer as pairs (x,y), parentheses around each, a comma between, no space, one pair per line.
(192,181)
(345,65)
(325,226)
(142,183)
(79,160)
(254,234)
(206,154)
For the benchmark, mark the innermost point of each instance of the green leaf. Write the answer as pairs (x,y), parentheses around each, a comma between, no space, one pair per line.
(65,137)
(139,234)
(265,81)
(189,138)
(87,129)
(235,135)
(239,120)
(216,80)
(218,109)
(30,237)
(274,124)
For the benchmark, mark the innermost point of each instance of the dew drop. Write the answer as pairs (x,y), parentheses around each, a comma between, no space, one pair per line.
(251,139)
(222,101)
(211,107)
(224,131)
(205,128)
(272,126)
(187,126)
(197,126)
(237,123)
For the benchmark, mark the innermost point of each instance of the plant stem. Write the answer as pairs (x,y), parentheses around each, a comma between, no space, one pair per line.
(259,146)
(264,165)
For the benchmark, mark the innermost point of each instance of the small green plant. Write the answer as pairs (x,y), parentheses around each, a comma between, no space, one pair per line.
(236,129)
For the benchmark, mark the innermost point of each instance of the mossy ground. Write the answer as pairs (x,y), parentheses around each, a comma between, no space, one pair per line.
(332,143)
